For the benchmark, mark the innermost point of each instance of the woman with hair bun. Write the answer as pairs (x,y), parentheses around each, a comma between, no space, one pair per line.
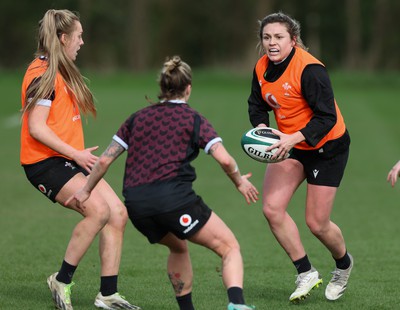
(162,140)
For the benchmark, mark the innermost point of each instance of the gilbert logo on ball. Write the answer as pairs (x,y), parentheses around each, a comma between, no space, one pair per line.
(185,220)
(255,142)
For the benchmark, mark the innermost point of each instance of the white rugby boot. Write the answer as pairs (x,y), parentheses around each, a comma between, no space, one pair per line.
(338,284)
(114,301)
(305,282)
(61,292)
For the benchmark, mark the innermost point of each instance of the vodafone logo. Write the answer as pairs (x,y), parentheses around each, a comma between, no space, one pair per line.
(271,100)
(42,188)
(185,220)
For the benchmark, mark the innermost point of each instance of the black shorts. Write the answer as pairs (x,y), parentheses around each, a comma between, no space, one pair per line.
(183,223)
(51,174)
(326,165)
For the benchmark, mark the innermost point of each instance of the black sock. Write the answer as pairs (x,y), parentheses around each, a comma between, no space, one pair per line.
(66,273)
(185,302)
(302,264)
(235,295)
(108,285)
(344,262)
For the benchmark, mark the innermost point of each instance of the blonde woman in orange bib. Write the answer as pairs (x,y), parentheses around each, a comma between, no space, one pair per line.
(57,162)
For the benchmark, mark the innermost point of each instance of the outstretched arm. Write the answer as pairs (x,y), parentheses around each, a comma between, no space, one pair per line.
(228,164)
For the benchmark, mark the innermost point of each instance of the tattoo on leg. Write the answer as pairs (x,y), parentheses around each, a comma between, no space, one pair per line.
(176,282)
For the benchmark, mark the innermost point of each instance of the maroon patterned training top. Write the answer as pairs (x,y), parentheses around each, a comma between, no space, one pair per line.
(162,140)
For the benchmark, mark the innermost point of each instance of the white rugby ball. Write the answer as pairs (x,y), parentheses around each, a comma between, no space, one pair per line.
(255,141)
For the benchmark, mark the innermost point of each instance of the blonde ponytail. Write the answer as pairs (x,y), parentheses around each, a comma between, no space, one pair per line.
(51,27)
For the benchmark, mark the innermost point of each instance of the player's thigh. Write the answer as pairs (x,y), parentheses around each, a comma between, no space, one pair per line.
(73,185)
(96,205)
(215,235)
(115,204)
(281,181)
(320,200)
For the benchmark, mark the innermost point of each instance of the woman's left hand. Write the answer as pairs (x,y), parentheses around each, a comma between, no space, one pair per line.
(285,144)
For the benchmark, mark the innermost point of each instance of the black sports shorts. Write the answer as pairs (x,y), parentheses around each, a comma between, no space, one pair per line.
(183,223)
(326,165)
(51,174)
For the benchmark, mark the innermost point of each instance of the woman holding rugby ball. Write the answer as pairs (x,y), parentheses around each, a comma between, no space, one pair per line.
(295,86)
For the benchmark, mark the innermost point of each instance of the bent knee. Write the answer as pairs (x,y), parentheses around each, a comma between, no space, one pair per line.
(179,248)
(234,245)
(101,214)
(228,248)
(118,215)
(317,228)
(273,214)
(174,244)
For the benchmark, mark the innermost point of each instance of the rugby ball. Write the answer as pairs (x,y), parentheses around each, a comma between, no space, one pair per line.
(256,140)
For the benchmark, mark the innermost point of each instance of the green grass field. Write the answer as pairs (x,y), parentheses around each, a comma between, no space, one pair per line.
(35,232)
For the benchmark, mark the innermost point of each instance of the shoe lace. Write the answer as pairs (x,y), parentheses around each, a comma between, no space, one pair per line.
(302,279)
(339,277)
(67,292)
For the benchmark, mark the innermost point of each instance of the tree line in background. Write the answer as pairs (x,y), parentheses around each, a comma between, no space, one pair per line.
(138,34)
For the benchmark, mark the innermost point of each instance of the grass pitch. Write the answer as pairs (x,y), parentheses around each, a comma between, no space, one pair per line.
(35,231)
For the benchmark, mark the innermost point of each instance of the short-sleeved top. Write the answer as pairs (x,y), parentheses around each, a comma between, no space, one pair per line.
(162,140)
(64,117)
